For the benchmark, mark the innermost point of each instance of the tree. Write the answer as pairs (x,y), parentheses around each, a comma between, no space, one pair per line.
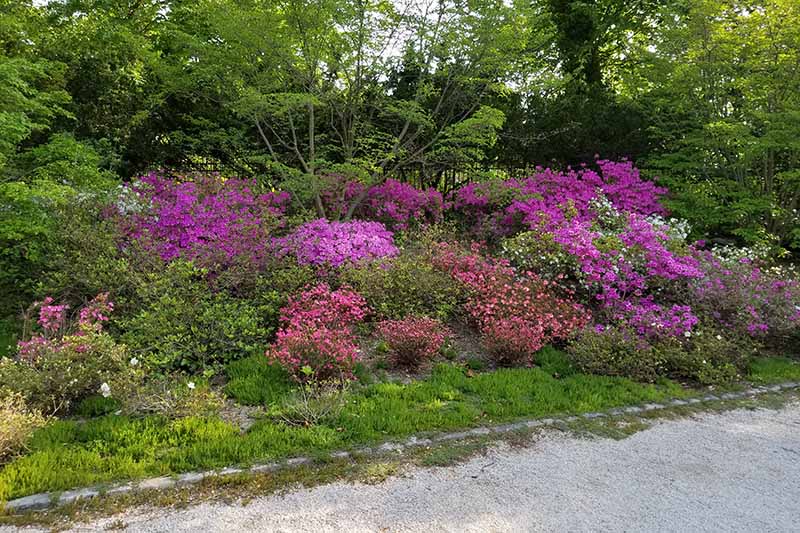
(724,103)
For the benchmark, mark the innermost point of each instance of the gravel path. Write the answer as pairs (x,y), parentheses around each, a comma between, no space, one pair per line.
(737,471)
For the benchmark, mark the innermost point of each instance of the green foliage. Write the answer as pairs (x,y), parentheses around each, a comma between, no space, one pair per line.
(253,381)
(67,454)
(706,357)
(409,285)
(538,252)
(616,352)
(773,370)
(184,325)
(63,376)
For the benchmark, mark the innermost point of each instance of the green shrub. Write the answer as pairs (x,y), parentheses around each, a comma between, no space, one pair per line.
(67,372)
(706,357)
(87,259)
(616,352)
(185,326)
(537,251)
(409,285)
(17,424)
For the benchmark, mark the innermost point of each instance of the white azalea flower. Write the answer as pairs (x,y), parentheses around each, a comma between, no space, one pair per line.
(105,390)
(687,334)
(191,385)
(134,361)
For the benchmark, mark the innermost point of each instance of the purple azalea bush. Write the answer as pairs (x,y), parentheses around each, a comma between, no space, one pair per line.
(323,242)
(204,217)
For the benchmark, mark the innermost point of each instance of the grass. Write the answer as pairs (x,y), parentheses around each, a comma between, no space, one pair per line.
(68,454)
(766,370)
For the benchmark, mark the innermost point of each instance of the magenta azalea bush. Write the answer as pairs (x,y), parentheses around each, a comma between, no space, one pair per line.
(206,218)
(395,204)
(744,297)
(325,243)
(548,199)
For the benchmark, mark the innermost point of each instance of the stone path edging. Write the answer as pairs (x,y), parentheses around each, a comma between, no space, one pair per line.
(46,500)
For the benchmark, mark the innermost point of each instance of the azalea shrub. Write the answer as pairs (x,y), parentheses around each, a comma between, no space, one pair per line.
(202,217)
(747,297)
(181,324)
(397,205)
(705,356)
(616,351)
(412,341)
(549,198)
(316,341)
(65,359)
(332,244)
(407,285)
(516,313)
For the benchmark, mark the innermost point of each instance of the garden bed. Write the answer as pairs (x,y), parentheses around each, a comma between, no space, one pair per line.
(200,322)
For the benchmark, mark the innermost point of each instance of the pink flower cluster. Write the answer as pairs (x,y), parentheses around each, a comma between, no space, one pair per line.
(55,328)
(96,312)
(325,243)
(52,318)
(517,314)
(413,340)
(317,341)
(203,217)
(549,198)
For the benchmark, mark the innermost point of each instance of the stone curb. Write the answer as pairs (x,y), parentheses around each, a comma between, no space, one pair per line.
(45,500)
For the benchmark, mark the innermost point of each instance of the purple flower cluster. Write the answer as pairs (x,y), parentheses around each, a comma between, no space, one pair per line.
(396,204)
(548,198)
(745,298)
(393,203)
(325,243)
(206,218)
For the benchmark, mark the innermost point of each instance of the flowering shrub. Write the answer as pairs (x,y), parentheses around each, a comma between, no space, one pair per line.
(517,314)
(65,362)
(743,296)
(322,307)
(549,198)
(315,353)
(317,342)
(397,204)
(412,340)
(324,243)
(393,203)
(203,217)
